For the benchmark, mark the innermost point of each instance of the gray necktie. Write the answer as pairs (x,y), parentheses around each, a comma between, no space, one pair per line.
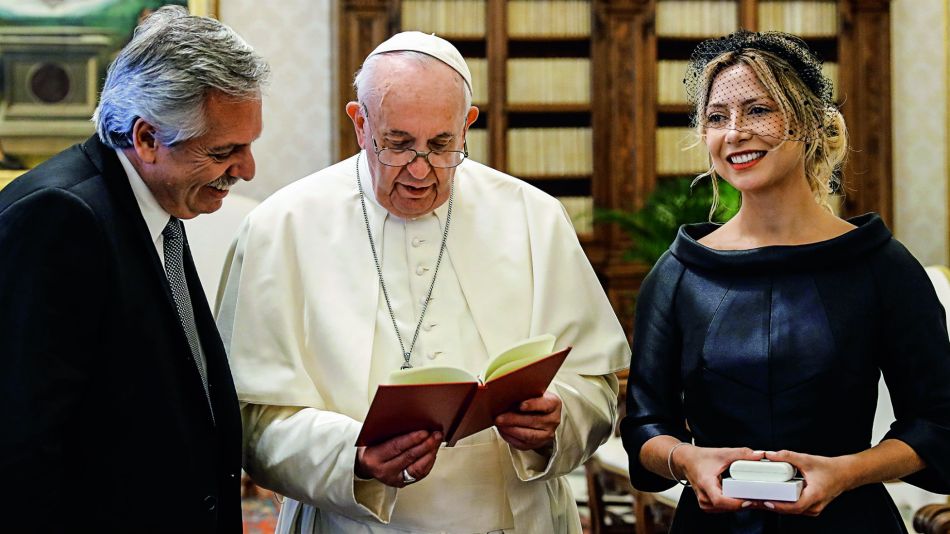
(174,258)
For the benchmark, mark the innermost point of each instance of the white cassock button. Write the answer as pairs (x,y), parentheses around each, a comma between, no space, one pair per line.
(429,326)
(416,242)
(434,355)
(421,270)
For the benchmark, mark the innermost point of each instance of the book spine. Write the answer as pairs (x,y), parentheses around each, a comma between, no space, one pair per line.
(450,435)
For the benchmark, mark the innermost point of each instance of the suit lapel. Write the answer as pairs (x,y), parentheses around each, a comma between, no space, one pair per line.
(104,158)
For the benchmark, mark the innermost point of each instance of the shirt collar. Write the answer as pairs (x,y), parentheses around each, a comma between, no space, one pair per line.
(155,217)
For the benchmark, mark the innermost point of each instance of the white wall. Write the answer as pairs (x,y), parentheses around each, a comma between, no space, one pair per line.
(298,38)
(920,143)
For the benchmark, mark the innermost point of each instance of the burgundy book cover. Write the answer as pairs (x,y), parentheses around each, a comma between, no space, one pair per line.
(404,408)
(458,409)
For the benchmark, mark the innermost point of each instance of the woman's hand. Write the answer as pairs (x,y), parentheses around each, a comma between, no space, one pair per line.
(825,479)
(703,467)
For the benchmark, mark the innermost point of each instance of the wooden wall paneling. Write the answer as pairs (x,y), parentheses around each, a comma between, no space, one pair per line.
(864,59)
(630,108)
(496,49)
(749,14)
(602,184)
(364,24)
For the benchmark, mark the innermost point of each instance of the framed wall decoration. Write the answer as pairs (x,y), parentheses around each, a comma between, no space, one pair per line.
(53,58)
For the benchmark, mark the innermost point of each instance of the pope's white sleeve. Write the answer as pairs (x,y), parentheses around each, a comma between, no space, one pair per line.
(308,455)
(588,416)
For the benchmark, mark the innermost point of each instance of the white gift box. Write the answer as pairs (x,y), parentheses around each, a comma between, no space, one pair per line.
(759,490)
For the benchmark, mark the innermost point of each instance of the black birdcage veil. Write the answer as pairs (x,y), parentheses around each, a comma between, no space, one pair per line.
(766,84)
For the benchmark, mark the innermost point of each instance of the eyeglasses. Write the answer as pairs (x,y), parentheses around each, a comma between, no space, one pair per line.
(437,159)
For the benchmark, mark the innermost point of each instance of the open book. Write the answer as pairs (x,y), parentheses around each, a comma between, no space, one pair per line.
(459,404)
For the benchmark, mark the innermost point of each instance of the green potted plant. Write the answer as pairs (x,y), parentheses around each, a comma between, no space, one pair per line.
(672,203)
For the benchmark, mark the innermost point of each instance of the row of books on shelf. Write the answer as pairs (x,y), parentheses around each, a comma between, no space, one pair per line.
(550,151)
(477,142)
(806,18)
(696,18)
(669,81)
(581,212)
(556,18)
(567,151)
(579,208)
(526,18)
(549,81)
(708,18)
(680,151)
(536,80)
(572,18)
(670,74)
(479,68)
(450,18)
(567,80)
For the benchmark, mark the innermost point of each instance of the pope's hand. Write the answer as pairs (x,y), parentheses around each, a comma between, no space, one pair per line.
(414,452)
(533,424)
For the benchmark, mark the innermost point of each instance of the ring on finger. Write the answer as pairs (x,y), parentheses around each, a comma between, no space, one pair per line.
(407,478)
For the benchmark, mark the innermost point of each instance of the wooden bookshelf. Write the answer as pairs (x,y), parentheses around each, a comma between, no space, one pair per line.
(622,41)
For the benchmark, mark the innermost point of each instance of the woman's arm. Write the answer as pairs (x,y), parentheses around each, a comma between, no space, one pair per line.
(826,478)
(701,466)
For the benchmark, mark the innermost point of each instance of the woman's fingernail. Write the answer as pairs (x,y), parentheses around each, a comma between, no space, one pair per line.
(758,452)
(746,504)
(769,505)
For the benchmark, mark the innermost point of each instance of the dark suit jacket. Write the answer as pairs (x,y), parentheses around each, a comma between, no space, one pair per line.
(103,417)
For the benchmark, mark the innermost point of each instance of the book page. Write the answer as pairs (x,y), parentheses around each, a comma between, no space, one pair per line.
(430,375)
(506,391)
(520,354)
(502,370)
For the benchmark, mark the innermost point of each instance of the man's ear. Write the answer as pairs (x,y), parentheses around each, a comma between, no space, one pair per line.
(355,111)
(471,116)
(144,141)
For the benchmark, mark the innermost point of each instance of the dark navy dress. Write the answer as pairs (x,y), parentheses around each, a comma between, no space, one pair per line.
(782,347)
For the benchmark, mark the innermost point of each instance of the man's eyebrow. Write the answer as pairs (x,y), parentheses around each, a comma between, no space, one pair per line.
(444,136)
(223,148)
(441,137)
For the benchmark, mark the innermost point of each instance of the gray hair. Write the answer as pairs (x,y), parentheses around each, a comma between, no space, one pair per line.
(362,81)
(165,73)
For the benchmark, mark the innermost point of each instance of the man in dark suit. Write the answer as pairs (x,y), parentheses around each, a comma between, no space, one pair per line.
(118,407)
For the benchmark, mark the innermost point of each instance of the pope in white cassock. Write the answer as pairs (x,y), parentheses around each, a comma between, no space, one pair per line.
(407,253)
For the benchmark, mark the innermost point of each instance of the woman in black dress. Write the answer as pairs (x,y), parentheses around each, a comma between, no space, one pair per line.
(765,337)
